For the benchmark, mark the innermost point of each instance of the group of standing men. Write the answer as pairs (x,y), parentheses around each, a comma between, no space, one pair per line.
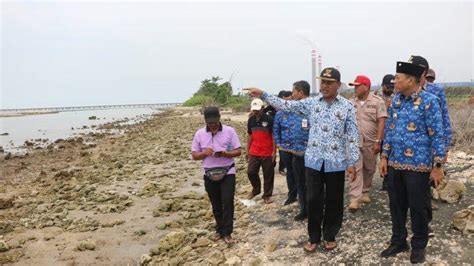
(323,139)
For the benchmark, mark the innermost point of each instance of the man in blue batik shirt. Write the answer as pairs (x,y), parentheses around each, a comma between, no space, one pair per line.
(333,148)
(282,125)
(438,91)
(413,150)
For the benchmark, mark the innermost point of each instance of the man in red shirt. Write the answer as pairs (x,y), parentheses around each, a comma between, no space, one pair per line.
(261,151)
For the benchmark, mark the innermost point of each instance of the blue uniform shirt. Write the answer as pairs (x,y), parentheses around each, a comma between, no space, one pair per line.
(290,131)
(438,91)
(414,135)
(333,135)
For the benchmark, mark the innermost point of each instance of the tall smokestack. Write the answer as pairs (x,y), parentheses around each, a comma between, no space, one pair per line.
(319,70)
(314,84)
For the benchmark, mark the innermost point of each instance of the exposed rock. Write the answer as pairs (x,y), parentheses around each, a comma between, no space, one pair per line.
(6,202)
(464,220)
(234,260)
(171,241)
(271,246)
(216,257)
(201,242)
(4,246)
(450,191)
(86,245)
(144,259)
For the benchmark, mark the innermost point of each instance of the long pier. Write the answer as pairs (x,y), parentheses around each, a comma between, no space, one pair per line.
(90,107)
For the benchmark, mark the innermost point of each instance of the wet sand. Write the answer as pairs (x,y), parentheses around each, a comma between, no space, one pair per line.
(138,197)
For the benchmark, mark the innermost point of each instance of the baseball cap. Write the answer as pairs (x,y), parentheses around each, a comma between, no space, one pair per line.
(330,74)
(388,80)
(360,80)
(211,114)
(410,69)
(431,73)
(419,60)
(256,105)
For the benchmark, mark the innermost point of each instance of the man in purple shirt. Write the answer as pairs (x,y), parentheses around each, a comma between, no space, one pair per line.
(216,145)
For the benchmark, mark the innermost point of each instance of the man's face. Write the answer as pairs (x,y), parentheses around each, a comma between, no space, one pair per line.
(213,126)
(329,88)
(387,89)
(258,112)
(361,90)
(296,94)
(430,79)
(403,82)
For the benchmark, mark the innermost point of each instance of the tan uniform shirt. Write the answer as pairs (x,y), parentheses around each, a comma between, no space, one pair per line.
(368,113)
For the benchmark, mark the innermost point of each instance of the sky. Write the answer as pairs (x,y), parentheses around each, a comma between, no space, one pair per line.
(108,52)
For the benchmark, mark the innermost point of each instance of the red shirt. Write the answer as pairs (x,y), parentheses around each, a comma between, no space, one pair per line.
(261,132)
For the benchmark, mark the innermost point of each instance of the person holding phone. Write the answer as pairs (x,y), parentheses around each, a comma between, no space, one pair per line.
(216,145)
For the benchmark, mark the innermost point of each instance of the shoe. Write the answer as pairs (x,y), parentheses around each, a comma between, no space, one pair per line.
(289,201)
(417,256)
(354,206)
(267,200)
(301,216)
(393,250)
(251,195)
(365,198)
(229,240)
(430,232)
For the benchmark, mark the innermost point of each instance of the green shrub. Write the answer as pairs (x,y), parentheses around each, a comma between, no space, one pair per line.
(198,100)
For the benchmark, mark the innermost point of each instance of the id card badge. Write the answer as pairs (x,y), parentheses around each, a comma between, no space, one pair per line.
(304,123)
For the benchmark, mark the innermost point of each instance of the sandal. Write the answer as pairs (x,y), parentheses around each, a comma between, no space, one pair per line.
(330,245)
(310,248)
(216,237)
(229,240)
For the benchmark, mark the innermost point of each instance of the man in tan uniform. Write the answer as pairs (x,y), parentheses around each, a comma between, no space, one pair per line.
(371,113)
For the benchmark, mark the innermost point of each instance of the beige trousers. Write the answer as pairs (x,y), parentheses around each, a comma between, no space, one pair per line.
(365,170)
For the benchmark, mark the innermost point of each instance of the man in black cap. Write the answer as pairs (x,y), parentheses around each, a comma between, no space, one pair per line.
(430,76)
(438,91)
(388,85)
(413,151)
(333,148)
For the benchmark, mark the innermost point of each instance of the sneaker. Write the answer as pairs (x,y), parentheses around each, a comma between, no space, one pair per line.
(301,216)
(393,250)
(289,201)
(417,256)
(354,206)
(365,198)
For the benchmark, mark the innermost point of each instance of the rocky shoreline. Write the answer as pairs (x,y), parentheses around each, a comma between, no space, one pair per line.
(138,198)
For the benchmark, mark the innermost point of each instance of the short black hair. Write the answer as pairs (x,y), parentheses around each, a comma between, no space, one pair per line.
(284,93)
(303,86)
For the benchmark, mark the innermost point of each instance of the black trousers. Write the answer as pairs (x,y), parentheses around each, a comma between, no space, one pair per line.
(409,190)
(281,163)
(325,202)
(299,171)
(287,159)
(221,195)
